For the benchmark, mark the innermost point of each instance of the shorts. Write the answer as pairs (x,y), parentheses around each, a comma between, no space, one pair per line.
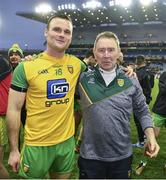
(3,131)
(37,161)
(158,120)
(96,169)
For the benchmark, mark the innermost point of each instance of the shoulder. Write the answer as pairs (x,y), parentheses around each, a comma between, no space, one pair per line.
(72,57)
(77,61)
(129,80)
(5,65)
(89,73)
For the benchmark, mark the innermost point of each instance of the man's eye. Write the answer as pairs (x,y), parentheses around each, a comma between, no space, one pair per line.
(57,29)
(67,32)
(111,50)
(101,50)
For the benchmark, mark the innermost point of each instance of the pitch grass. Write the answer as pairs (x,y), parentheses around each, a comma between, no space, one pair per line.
(154,168)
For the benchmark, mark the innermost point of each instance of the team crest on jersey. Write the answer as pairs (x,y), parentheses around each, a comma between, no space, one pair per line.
(26,168)
(120,82)
(70,69)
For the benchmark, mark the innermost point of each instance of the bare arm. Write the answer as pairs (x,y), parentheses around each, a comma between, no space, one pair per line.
(15,103)
(151,146)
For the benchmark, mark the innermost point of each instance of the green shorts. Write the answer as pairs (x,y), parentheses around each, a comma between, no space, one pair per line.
(159,120)
(37,161)
(3,132)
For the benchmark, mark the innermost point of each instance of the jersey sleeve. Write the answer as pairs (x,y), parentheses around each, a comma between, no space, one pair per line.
(19,81)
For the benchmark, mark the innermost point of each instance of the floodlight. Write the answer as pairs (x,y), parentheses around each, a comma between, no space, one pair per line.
(62,7)
(73,6)
(123,3)
(112,3)
(91,4)
(145,2)
(67,6)
(43,8)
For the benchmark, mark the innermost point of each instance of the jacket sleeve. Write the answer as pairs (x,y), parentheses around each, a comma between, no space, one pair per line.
(162,83)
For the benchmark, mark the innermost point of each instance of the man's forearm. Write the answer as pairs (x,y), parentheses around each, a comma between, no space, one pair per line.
(149,132)
(151,146)
(13,127)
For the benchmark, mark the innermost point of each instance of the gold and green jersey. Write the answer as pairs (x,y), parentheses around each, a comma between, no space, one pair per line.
(50,84)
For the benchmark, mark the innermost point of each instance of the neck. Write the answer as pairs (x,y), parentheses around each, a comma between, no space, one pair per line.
(54,53)
(108,70)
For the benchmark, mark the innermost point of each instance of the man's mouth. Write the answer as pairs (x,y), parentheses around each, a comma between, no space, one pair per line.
(60,41)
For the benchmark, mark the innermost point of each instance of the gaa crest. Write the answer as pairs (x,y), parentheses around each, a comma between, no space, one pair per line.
(26,168)
(120,82)
(70,69)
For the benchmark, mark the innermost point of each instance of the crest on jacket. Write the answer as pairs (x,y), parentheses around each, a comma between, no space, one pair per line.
(120,82)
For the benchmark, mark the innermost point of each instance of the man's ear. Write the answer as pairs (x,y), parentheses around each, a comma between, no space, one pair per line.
(45,32)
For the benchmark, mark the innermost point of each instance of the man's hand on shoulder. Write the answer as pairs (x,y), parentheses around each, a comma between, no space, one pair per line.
(30,57)
(129,71)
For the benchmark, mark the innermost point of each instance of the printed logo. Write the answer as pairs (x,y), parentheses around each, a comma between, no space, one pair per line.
(70,69)
(57,102)
(120,82)
(26,168)
(44,71)
(57,88)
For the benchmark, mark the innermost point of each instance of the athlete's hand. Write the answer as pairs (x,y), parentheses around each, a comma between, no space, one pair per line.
(14,160)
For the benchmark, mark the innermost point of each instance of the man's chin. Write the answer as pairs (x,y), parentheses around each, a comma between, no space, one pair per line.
(60,49)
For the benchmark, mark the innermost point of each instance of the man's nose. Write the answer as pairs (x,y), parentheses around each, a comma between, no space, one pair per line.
(62,33)
(106,53)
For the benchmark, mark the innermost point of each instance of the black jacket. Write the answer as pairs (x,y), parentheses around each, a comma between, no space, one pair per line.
(160,103)
(5,68)
(144,80)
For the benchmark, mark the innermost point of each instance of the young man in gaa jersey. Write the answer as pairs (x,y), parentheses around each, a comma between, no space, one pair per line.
(48,84)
